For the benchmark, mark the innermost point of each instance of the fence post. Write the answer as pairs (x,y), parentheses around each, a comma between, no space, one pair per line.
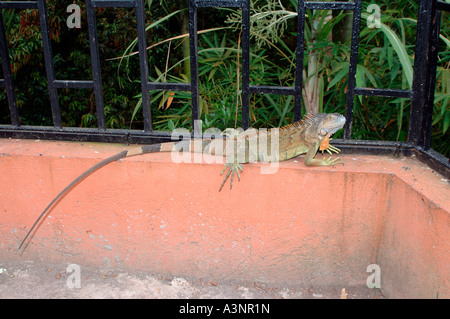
(353,63)
(49,68)
(95,64)
(193,41)
(245,64)
(433,58)
(422,101)
(301,11)
(143,62)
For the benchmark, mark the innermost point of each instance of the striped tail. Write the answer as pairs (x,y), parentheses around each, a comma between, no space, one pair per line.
(153,148)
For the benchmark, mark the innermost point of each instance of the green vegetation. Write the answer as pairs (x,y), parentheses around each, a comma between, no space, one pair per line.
(386,59)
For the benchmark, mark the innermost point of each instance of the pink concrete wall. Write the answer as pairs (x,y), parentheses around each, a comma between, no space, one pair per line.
(318,226)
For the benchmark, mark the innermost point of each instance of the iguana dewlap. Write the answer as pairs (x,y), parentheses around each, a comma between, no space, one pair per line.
(308,136)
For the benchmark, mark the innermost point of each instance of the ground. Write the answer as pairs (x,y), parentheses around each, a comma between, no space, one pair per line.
(33,280)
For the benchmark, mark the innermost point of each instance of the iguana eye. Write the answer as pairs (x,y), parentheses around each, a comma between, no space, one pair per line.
(323,132)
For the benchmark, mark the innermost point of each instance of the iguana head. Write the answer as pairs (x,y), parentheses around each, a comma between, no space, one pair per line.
(320,127)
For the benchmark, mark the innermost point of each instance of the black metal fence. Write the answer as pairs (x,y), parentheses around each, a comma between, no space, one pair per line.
(421,94)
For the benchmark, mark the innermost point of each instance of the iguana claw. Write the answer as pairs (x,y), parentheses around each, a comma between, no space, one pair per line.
(233,168)
(334,161)
(332,148)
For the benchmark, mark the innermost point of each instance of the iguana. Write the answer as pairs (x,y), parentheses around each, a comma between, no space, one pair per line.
(309,135)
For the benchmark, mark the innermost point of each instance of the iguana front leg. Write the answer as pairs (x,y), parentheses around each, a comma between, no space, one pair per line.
(311,161)
(332,148)
(326,146)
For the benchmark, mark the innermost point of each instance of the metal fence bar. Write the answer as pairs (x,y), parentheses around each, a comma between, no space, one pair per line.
(113,3)
(443,6)
(432,63)
(72,84)
(316,5)
(267,89)
(49,67)
(300,49)
(245,64)
(421,85)
(143,62)
(352,70)
(163,86)
(85,134)
(18,5)
(193,43)
(220,3)
(95,65)
(383,92)
(8,81)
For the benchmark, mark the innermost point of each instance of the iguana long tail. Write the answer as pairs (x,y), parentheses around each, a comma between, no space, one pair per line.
(161,147)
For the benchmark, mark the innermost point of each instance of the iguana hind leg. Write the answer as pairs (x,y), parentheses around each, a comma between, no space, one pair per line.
(233,168)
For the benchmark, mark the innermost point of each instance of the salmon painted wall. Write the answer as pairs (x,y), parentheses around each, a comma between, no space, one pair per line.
(318,226)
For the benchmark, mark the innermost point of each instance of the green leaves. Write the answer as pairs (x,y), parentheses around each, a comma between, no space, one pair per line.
(400,49)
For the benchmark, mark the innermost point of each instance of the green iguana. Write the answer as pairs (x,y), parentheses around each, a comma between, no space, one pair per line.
(309,135)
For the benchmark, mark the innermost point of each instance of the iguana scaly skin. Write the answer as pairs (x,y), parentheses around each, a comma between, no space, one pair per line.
(308,136)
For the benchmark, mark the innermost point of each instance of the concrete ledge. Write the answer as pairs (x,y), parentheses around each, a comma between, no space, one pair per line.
(318,226)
